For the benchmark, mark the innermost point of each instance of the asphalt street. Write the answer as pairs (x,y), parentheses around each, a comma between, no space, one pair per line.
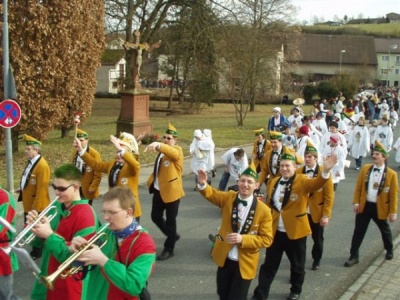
(190,274)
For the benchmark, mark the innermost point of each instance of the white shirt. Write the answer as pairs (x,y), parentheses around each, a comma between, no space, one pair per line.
(28,170)
(374,178)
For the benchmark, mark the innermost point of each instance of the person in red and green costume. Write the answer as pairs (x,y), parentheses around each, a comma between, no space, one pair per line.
(9,262)
(75,217)
(125,262)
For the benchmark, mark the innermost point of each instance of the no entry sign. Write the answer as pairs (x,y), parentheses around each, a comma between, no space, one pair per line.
(10,113)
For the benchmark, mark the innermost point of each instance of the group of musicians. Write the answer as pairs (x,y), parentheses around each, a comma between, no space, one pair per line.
(121,258)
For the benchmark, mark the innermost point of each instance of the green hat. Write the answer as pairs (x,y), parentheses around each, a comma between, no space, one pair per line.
(258,132)
(380,148)
(275,135)
(31,140)
(81,134)
(171,130)
(250,171)
(289,154)
(310,148)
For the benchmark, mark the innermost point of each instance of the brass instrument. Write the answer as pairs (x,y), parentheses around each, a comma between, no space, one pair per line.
(62,269)
(21,240)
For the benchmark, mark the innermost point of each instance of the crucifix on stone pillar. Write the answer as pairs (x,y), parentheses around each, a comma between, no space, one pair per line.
(137,57)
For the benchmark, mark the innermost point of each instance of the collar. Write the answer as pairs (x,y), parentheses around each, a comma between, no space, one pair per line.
(35,159)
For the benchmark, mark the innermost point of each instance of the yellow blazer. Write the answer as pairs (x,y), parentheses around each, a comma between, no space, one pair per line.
(267,147)
(266,167)
(294,212)
(128,176)
(35,194)
(169,174)
(259,235)
(90,178)
(320,202)
(387,199)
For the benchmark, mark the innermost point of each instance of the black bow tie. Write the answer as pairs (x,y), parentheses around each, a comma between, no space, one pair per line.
(310,171)
(275,152)
(284,182)
(244,202)
(376,169)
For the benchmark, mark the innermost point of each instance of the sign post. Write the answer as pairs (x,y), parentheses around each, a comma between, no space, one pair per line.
(10,113)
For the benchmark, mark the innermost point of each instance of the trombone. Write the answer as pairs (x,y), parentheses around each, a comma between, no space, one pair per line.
(74,267)
(21,240)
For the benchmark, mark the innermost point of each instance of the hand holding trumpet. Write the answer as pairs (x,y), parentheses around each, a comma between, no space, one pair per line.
(92,256)
(42,228)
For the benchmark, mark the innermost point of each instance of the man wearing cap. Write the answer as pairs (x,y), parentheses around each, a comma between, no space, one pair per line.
(165,183)
(288,199)
(123,170)
(89,188)
(277,120)
(35,181)
(384,134)
(320,203)
(246,227)
(270,164)
(200,149)
(376,198)
(260,147)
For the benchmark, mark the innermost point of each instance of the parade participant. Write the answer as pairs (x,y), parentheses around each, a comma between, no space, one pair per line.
(34,192)
(320,123)
(277,120)
(9,262)
(123,170)
(372,129)
(211,161)
(165,183)
(393,117)
(295,120)
(125,262)
(200,149)
(260,146)
(288,139)
(235,161)
(376,198)
(270,165)
(342,127)
(396,147)
(34,186)
(90,179)
(384,134)
(359,142)
(335,149)
(246,227)
(320,203)
(288,199)
(314,134)
(74,217)
(302,140)
(325,140)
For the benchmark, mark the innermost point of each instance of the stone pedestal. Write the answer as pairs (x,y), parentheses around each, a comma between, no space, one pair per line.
(134,115)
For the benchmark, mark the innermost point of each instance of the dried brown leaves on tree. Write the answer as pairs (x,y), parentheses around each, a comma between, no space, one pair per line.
(55,50)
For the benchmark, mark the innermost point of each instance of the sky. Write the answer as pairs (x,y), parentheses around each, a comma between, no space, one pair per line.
(327,9)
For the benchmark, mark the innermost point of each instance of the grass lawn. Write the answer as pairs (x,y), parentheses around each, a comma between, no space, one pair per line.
(220,118)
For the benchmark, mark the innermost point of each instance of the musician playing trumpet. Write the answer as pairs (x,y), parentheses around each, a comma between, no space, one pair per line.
(127,259)
(75,217)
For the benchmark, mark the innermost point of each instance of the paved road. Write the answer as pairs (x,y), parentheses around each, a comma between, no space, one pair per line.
(190,275)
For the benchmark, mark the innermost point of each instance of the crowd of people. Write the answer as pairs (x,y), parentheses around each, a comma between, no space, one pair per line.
(299,160)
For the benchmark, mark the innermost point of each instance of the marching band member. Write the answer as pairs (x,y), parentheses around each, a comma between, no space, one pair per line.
(90,179)
(126,261)
(74,217)
(123,170)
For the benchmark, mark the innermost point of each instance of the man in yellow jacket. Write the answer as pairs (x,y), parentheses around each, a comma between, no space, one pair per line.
(376,198)
(246,226)
(165,183)
(320,203)
(288,199)
(90,178)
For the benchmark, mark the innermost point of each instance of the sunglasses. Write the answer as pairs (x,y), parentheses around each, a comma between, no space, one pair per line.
(167,137)
(61,188)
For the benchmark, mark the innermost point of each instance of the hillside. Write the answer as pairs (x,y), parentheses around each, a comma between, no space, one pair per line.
(377,30)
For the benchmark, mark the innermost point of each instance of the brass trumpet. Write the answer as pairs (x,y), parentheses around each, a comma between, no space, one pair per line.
(63,270)
(21,240)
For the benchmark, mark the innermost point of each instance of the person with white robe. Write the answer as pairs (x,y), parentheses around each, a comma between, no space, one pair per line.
(359,142)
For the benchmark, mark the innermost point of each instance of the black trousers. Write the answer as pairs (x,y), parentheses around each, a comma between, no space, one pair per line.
(167,225)
(295,251)
(230,284)
(362,222)
(317,234)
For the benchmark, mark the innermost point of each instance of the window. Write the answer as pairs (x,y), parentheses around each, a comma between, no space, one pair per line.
(114,84)
(397,59)
(396,72)
(385,57)
(384,71)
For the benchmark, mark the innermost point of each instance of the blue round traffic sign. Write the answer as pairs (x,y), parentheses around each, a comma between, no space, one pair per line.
(10,113)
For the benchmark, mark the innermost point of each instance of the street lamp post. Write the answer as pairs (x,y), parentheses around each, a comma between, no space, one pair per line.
(340,63)
(392,47)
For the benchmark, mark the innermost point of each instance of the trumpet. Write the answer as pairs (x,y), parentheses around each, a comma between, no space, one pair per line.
(21,239)
(74,267)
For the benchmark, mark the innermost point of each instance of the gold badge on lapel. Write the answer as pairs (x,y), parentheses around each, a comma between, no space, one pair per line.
(293,197)
(124,180)
(89,169)
(166,163)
